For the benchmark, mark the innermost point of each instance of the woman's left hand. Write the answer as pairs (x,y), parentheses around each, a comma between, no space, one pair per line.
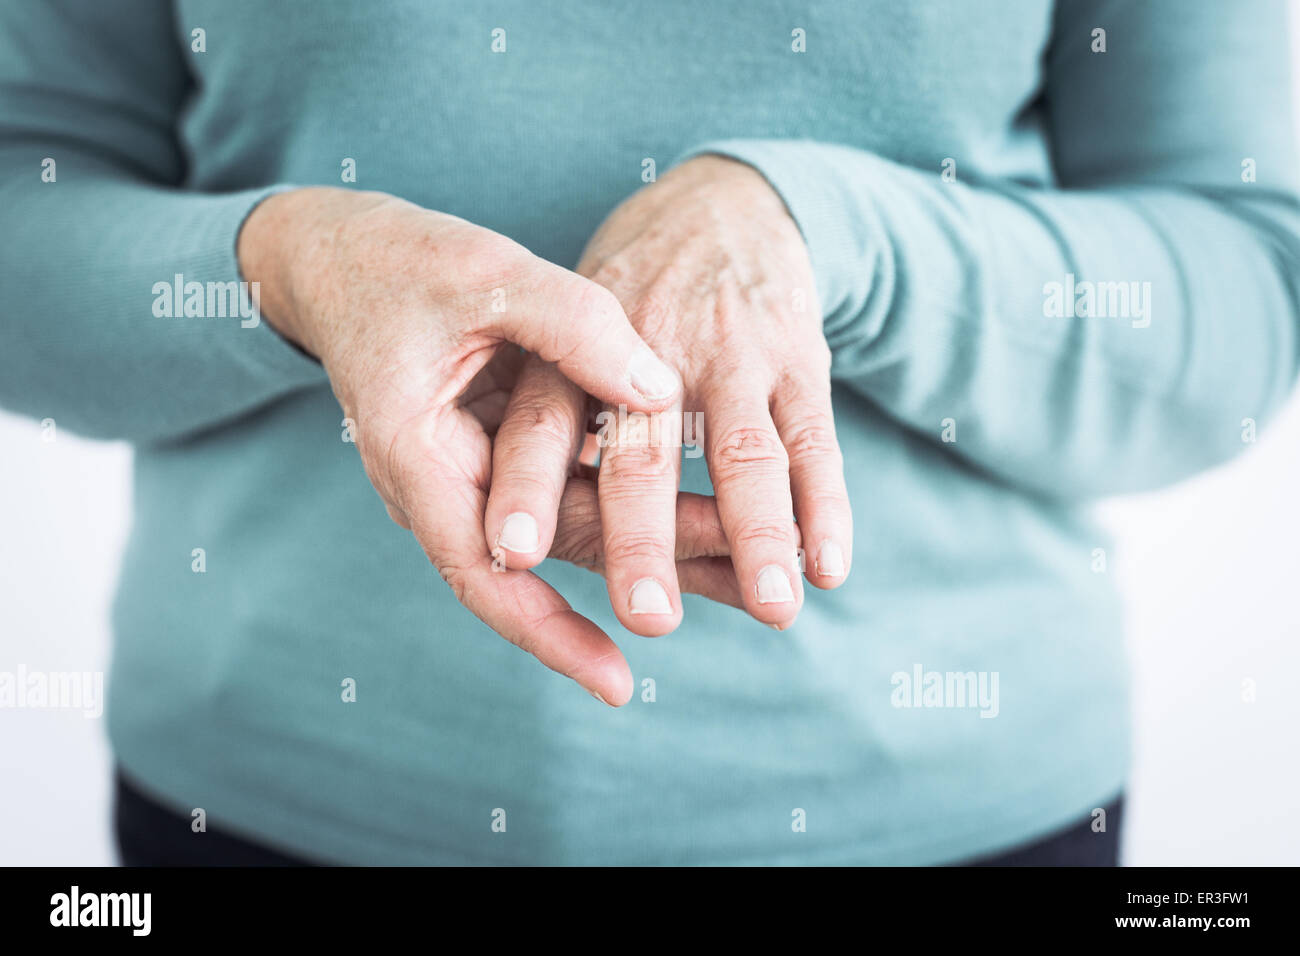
(715,276)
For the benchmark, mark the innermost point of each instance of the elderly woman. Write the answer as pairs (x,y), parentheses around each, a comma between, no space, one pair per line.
(961,268)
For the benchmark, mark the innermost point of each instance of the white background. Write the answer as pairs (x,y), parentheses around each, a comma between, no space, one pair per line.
(1210,569)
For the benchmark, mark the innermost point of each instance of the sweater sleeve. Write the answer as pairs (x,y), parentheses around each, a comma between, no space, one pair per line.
(94,224)
(1116,332)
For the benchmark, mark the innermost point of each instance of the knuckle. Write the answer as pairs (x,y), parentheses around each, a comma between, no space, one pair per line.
(597,303)
(484,260)
(593,314)
(653,314)
(457,579)
(537,423)
(736,361)
(808,381)
(638,465)
(635,430)
(812,439)
(746,448)
(759,534)
(536,621)
(627,546)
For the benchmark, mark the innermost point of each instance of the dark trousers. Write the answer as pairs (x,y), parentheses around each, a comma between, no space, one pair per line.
(149,834)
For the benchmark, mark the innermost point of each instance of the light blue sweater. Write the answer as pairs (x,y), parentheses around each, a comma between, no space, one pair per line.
(1049,273)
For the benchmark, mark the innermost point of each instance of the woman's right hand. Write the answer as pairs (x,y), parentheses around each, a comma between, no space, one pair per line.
(404,307)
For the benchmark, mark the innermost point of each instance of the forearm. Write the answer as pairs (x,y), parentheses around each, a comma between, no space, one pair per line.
(950,306)
(96,335)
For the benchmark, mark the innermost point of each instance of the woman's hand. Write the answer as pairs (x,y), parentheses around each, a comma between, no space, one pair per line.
(715,276)
(405,308)
(703,559)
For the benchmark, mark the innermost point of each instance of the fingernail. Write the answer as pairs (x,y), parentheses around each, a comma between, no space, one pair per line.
(774,586)
(830,560)
(519,533)
(599,698)
(651,377)
(649,597)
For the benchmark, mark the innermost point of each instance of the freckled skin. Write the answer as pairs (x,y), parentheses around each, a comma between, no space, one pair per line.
(418,318)
(714,274)
(413,314)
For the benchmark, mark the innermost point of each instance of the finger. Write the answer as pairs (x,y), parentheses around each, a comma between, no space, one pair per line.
(699,528)
(751,478)
(538,438)
(639,466)
(440,470)
(712,578)
(578,537)
(803,418)
(702,565)
(582,328)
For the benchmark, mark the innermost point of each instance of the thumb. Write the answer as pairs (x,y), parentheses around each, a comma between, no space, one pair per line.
(582,328)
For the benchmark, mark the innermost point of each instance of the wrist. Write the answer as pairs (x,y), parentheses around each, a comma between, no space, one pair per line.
(285,247)
(264,252)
